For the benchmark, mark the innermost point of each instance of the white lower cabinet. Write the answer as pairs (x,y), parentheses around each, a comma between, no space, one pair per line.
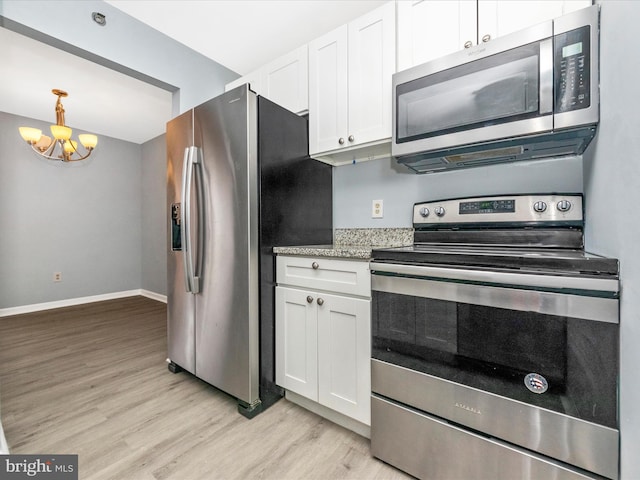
(344,356)
(323,343)
(297,342)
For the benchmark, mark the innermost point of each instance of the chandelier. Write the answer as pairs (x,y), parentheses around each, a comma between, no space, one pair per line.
(61,147)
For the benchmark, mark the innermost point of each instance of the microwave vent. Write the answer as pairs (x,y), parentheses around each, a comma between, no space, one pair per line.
(561,143)
(485,155)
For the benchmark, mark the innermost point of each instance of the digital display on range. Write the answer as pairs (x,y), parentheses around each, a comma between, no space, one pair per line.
(487,206)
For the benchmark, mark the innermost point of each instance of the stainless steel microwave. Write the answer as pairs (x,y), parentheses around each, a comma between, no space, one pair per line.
(531,94)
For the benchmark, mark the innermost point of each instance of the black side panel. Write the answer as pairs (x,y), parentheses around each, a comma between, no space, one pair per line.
(295,209)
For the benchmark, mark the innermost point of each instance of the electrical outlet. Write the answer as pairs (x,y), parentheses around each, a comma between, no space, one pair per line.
(376,209)
(57,276)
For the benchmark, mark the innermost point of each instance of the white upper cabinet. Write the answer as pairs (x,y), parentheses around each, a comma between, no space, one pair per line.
(372,62)
(253,79)
(350,73)
(501,17)
(284,81)
(429,29)
(328,91)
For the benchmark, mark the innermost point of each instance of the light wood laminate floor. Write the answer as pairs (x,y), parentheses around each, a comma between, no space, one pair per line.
(92,380)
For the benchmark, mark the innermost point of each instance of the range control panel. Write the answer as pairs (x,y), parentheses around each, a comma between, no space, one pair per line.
(526,209)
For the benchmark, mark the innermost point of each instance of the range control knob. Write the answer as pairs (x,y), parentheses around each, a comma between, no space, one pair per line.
(563,206)
(424,212)
(439,211)
(539,206)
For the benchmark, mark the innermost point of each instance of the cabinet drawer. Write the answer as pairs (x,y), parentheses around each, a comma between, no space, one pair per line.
(347,277)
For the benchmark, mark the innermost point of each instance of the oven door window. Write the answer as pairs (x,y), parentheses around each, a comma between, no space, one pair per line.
(496,89)
(564,364)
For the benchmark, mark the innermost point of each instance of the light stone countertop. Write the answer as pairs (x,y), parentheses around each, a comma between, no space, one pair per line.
(356,243)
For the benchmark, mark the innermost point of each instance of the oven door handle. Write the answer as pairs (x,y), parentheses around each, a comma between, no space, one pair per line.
(523,299)
(542,281)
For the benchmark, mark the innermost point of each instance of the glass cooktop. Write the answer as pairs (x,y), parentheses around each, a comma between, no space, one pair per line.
(554,260)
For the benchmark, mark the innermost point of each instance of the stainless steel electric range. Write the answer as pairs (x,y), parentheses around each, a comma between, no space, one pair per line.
(495,344)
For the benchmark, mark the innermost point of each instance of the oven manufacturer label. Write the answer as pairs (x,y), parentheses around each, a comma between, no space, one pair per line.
(536,383)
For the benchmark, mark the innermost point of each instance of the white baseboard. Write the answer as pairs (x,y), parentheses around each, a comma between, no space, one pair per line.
(153,295)
(5,312)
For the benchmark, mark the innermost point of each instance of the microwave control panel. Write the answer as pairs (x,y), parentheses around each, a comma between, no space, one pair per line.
(572,70)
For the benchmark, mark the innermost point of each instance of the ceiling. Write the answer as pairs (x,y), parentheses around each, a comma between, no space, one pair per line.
(100,101)
(240,34)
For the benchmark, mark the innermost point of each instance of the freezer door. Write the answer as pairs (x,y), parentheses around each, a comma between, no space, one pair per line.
(227,323)
(180,303)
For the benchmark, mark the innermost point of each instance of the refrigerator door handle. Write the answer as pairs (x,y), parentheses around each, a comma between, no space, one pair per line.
(196,270)
(187,182)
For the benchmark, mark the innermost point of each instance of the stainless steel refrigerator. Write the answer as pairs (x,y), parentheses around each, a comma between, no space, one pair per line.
(239,181)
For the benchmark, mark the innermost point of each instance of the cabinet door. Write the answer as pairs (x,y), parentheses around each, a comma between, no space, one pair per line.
(344,355)
(297,342)
(429,29)
(328,91)
(372,62)
(253,79)
(285,81)
(500,17)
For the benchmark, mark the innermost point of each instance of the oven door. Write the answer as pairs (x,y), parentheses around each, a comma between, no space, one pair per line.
(496,90)
(527,358)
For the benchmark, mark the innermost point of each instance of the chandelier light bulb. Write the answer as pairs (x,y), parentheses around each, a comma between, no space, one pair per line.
(70,146)
(30,135)
(88,140)
(60,132)
(44,143)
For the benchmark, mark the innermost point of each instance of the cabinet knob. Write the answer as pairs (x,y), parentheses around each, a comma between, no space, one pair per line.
(315,265)
(341,141)
(486,38)
(351,138)
(320,301)
(468,44)
(309,299)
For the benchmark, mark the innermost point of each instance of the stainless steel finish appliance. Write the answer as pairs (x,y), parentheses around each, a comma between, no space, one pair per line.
(239,182)
(532,94)
(495,344)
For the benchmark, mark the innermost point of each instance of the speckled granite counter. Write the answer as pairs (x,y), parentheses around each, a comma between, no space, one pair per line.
(353,243)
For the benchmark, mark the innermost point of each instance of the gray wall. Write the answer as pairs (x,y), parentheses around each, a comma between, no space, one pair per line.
(124,44)
(356,186)
(612,189)
(79,219)
(153,253)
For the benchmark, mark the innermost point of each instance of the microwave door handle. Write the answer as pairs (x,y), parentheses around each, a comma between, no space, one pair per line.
(546,76)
